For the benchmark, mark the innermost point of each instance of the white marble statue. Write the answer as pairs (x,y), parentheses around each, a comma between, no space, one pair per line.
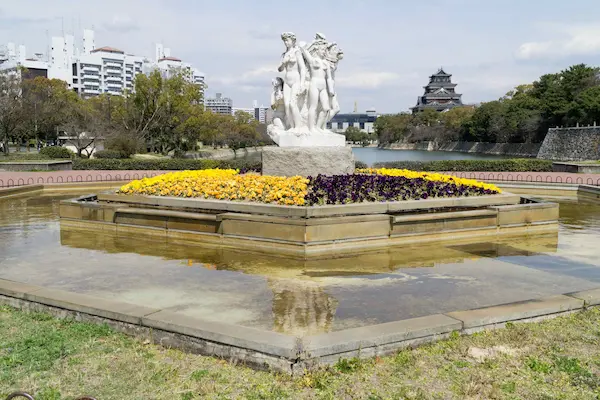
(304,99)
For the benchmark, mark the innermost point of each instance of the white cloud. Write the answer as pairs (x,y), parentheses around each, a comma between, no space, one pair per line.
(248,77)
(122,24)
(368,79)
(573,40)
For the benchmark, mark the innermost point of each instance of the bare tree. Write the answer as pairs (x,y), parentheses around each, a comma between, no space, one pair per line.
(11,106)
(84,127)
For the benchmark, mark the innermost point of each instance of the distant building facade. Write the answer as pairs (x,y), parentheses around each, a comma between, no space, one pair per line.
(363,121)
(260,113)
(440,94)
(92,71)
(219,104)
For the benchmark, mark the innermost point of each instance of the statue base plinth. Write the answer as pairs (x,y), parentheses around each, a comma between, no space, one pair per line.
(304,138)
(307,161)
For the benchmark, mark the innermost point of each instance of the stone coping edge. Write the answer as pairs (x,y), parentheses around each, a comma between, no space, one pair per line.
(266,342)
(39,162)
(364,341)
(313,211)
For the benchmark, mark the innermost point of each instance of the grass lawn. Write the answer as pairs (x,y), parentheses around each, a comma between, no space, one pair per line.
(59,359)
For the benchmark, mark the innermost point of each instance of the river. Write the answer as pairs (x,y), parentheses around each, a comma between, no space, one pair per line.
(372,155)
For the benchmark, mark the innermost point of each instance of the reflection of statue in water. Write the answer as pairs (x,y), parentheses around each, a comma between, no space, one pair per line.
(308,94)
(300,309)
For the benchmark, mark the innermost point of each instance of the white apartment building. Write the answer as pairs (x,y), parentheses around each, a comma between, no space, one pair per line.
(259,113)
(219,104)
(93,70)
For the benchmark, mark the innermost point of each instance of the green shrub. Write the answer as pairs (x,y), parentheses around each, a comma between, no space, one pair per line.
(109,154)
(508,165)
(126,145)
(56,152)
(166,164)
(360,165)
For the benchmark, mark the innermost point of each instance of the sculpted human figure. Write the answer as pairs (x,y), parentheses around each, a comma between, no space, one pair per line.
(333,56)
(294,68)
(277,103)
(321,86)
(304,97)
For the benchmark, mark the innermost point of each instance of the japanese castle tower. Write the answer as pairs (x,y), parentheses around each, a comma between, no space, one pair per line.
(439,94)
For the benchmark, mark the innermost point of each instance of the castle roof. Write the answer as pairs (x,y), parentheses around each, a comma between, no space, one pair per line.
(441,72)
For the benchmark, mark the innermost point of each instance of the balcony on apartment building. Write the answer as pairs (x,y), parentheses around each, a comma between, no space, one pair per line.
(86,76)
(113,71)
(113,64)
(113,78)
(94,68)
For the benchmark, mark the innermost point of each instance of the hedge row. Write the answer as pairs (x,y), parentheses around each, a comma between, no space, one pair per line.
(56,152)
(167,164)
(174,164)
(509,165)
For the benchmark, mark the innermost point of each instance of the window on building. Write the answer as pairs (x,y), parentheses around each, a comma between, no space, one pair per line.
(361,125)
(329,125)
(340,125)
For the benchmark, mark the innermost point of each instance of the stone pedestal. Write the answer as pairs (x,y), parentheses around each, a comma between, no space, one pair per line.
(307,161)
(303,138)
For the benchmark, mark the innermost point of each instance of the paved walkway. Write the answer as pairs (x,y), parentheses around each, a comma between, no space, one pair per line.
(25,178)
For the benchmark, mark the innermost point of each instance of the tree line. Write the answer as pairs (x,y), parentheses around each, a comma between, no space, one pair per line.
(162,114)
(523,115)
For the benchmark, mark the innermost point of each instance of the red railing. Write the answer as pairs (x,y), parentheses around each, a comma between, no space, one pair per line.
(83,178)
(532,177)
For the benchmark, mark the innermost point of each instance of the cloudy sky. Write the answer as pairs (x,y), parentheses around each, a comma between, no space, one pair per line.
(390,46)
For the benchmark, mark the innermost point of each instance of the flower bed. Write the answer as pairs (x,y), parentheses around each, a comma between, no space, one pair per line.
(368,185)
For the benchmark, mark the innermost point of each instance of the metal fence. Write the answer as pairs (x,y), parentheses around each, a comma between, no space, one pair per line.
(23,395)
(83,178)
(532,177)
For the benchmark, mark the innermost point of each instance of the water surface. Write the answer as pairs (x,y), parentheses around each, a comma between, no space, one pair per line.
(371,155)
(296,296)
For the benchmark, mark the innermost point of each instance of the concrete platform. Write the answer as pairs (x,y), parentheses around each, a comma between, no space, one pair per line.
(269,350)
(313,230)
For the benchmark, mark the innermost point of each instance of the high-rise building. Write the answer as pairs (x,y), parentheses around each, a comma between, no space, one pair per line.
(260,113)
(95,70)
(439,94)
(13,57)
(219,104)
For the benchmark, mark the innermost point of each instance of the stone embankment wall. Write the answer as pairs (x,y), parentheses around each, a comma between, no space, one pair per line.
(571,144)
(510,149)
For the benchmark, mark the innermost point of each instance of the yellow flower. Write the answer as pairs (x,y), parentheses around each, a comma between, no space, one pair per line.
(430,176)
(223,185)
